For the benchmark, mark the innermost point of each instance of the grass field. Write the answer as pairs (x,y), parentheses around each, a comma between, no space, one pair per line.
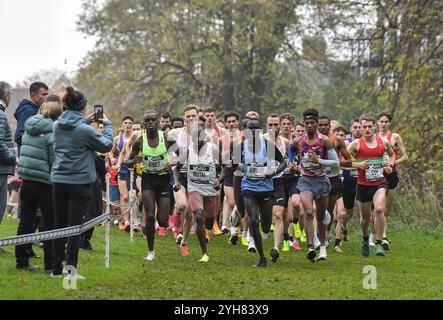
(411,270)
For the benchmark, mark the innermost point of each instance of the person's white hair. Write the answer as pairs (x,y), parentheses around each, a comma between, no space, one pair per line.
(5,89)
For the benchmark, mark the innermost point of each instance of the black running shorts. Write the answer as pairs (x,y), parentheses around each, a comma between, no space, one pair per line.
(392,180)
(158,183)
(366,193)
(349,192)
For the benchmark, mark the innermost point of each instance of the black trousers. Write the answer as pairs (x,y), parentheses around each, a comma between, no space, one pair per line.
(32,196)
(95,208)
(71,205)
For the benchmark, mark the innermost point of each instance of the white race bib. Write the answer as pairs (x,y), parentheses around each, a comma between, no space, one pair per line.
(256,171)
(199,174)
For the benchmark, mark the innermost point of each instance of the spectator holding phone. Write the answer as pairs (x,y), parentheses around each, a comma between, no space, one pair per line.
(73,171)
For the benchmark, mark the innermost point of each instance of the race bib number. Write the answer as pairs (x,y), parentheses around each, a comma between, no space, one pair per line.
(155,164)
(256,171)
(199,174)
(310,166)
(375,170)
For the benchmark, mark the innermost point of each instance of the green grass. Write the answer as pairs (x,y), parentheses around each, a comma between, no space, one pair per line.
(411,270)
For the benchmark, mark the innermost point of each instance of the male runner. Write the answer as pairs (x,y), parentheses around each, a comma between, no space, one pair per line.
(123,173)
(203,184)
(384,120)
(316,153)
(371,182)
(155,179)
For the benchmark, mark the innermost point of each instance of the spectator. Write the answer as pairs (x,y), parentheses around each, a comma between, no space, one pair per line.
(27,108)
(73,171)
(7,152)
(34,168)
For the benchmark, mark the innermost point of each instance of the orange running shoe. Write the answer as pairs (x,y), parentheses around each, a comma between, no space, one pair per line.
(216,230)
(184,250)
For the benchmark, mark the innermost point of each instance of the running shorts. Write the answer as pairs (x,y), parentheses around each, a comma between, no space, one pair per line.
(366,193)
(317,186)
(158,183)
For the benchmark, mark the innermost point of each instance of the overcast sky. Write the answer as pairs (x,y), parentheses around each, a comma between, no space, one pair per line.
(40,35)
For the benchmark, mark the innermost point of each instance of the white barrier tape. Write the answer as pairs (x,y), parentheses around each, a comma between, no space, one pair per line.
(12,204)
(118,205)
(53,234)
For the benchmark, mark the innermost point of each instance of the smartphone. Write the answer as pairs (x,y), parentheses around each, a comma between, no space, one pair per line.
(98,110)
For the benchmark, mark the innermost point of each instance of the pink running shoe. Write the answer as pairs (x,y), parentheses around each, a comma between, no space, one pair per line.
(296,246)
(161,232)
(184,251)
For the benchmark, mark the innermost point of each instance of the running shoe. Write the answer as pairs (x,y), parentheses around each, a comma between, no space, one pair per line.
(205,258)
(251,248)
(225,230)
(233,240)
(311,254)
(385,244)
(338,249)
(136,227)
(179,238)
(151,256)
(327,243)
(297,231)
(296,246)
(286,246)
(244,241)
(127,226)
(184,250)
(274,254)
(317,244)
(365,249)
(216,230)
(261,263)
(162,232)
(303,237)
(323,254)
(379,251)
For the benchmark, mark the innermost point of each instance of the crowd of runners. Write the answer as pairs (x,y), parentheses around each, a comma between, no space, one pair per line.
(248,177)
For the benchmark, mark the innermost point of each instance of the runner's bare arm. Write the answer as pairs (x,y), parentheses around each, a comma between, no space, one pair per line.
(136,149)
(111,154)
(344,151)
(402,150)
(390,153)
